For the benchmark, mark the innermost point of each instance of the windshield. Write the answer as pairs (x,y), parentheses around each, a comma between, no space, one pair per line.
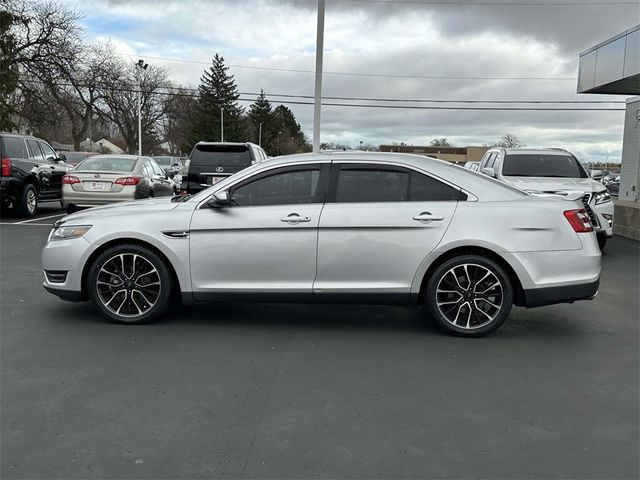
(221,155)
(107,164)
(163,161)
(542,165)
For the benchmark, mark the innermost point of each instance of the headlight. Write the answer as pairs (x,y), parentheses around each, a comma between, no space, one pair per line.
(602,197)
(67,232)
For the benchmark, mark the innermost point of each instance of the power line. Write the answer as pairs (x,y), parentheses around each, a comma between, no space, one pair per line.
(362,105)
(507,3)
(354,74)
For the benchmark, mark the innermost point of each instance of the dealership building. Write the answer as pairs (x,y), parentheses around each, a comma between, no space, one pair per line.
(613,67)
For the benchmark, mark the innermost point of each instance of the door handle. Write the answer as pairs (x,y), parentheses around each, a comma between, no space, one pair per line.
(427,217)
(294,218)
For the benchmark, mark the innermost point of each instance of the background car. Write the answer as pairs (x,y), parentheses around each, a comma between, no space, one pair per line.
(210,162)
(613,185)
(473,166)
(74,158)
(171,165)
(552,172)
(103,179)
(333,228)
(31,173)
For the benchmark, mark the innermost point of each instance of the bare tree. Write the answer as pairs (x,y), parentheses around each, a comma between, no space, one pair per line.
(120,95)
(179,108)
(440,142)
(509,140)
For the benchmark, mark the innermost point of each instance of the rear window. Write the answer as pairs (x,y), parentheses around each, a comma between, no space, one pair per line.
(534,165)
(13,147)
(221,155)
(107,164)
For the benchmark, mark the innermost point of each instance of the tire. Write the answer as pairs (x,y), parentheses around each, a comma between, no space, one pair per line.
(602,241)
(481,309)
(27,204)
(71,208)
(146,289)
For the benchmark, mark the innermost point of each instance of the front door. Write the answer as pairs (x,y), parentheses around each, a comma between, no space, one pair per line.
(378,224)
(265,243)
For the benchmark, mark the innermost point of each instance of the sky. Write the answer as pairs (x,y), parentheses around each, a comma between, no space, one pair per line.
(395,48)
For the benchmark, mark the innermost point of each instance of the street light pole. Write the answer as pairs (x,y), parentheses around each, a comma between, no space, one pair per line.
(140,66)
(317,104)
(222,124)
(260,135)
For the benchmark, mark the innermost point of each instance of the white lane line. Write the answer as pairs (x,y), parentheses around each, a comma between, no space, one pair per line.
(41,218)
(28,224)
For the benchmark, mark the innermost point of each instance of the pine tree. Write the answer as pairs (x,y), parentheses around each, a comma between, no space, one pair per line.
(292,137)
(263,128)
(218,94)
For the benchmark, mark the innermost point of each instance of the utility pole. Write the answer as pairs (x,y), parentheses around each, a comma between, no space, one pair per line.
(140,67)
(317,104)
(222,124)
(260,135)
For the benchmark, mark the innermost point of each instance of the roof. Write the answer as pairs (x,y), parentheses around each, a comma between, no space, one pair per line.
(539,151)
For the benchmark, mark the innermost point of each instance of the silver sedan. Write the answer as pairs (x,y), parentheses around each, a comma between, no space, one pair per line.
(381,228)
(103,179)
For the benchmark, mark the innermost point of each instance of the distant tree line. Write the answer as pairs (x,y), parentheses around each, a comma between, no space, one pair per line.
(55,85)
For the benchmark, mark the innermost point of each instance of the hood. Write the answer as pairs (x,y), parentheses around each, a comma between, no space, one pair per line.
(554,184)
(123,208)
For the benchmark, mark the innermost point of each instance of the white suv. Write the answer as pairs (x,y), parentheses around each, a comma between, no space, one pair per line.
(552,172)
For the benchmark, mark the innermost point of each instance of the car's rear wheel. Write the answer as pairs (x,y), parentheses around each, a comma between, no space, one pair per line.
(27,204)
(469,295)
(130,283)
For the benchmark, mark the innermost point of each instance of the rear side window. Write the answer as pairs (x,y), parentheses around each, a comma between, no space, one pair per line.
(491,160)
(13,147)
(221,155)
(34,150)
(372,186)
(389,185)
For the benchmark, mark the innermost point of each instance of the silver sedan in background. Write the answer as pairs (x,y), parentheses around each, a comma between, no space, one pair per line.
(103,179)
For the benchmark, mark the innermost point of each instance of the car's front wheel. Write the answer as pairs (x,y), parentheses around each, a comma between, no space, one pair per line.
(130,283)
(469,295)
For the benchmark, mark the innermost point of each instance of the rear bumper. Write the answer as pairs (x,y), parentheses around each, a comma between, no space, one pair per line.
(538,297)
(92,199)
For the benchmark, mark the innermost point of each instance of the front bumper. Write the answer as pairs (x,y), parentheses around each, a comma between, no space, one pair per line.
(66,256)
(604,215)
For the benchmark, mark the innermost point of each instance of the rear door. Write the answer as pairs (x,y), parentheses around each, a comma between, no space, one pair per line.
(377,226)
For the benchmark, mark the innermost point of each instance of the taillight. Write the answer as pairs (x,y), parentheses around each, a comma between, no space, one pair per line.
(70,179)
(579,220)
(6,167)
(128,181)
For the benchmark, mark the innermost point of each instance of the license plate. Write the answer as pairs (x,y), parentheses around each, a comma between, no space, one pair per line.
(213,180)
(98,185)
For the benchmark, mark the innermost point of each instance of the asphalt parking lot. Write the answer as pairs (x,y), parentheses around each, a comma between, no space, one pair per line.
(280,391)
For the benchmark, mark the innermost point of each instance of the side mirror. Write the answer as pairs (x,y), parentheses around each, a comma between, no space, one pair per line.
(489,171)
(62,158)
(170,173)
(219,200)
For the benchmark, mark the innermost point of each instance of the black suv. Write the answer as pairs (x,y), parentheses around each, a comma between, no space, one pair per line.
(31,172)
(210,162)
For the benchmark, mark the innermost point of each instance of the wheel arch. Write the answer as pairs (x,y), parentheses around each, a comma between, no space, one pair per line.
(123,241)
(518,291)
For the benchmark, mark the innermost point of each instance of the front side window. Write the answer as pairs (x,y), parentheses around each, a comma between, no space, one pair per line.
(34,150)
(542,165)
(284,188)
(147,169)
(49,154)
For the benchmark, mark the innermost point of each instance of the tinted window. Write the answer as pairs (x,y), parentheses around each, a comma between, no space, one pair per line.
(221,155)
(13,147)
(34,149)
(285,188)
(49,154)
(534,165)
(423,188)
(107,164)
(363,185)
